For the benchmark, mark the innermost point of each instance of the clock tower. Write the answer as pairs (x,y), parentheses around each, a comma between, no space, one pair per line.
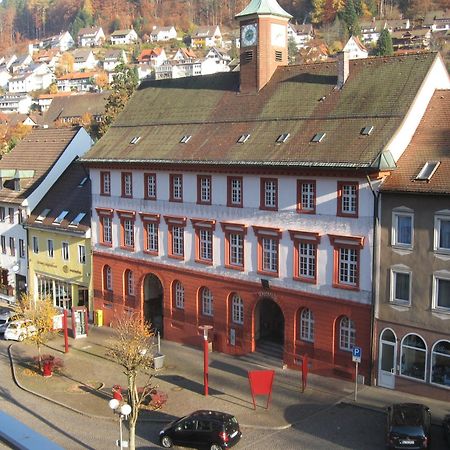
(263,37)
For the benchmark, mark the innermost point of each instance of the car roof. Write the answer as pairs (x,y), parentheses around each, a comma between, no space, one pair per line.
(211,414)
(408,413)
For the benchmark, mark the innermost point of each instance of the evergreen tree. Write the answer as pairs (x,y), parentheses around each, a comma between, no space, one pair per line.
(384,44)
(350,18)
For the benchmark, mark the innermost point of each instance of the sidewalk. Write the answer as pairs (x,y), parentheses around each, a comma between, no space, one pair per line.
(85,384)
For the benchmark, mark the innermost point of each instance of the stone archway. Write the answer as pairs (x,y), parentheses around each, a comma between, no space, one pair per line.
(269,322)
(154,302)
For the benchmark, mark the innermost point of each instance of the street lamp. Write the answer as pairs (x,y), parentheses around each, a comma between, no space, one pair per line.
(123,409)
(205,329)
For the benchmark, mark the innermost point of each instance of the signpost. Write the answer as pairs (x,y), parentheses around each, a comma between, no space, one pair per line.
(356,358)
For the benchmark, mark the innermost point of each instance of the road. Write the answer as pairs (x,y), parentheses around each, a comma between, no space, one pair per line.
(338,427)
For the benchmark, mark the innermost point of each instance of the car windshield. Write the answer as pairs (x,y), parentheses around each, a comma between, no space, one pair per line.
(13,326)
(3,321)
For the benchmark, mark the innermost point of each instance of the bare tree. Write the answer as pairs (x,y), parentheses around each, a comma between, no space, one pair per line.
(132,348)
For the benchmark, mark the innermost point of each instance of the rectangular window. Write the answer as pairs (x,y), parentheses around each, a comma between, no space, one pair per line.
(306,196)
(176,188)
(307,260)
(442,234)
(12,246)
(21,248)
(269,248)
(441,295)
(204,189)
(205,245)
(82,254)
(65,251)
(347,199)
(105,183)
(127,184)
(3,244)
(11,215)
(128,232)
(106,223)
(269,193)
(177,241)
(35,245)
(400,286)
(402,229)
(236,253)
(2,213)
(50,248)
(150,186)
(234,197)
(348,266)
(152,237)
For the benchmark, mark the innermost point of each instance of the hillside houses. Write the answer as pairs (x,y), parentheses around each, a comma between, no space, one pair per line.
(91,37)
(161,34)
(123,37)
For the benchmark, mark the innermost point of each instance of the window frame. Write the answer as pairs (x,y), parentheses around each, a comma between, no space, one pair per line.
(105,183)
(179,299)
(127,184)
(35,244)
(150,219)
(65,250)
(3,244)
(201,200)
(306,323)
(107,278)
(300,208)
(304,237)
(147,178)
(264,192)
(11,215)
(103,230)
(438,276)
(230,192)
(237,310)
(350,338)
(127,229)
(341,198)
(394,229)
(22,248)
(202,226)
(172,224)
(264,234)
(207,302)
(438,218)
(129,287)
(394,271)
(425,352)
(81,254)
(234,229)
(50,248)
(172,186)
(12,246)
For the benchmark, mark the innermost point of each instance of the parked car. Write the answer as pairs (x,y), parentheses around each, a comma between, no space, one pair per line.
(408,426)
(446,428)
(18,330)
(202,429)
(6,316)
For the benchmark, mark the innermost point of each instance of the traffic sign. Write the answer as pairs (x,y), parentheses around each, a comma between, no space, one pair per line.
(356,354)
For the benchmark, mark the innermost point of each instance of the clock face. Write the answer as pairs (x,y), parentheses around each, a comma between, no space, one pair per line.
(249,34)
(278,35)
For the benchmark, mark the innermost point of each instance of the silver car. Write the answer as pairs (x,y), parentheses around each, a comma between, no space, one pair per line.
(6,316)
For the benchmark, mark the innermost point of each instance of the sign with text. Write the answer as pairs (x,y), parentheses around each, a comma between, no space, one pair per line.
(261,382)
(356,354)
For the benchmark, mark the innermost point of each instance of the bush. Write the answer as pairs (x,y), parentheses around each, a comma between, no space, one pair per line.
(56,364)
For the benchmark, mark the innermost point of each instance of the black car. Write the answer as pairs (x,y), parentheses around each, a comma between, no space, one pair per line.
(446,428)
(408,426)
(202,429)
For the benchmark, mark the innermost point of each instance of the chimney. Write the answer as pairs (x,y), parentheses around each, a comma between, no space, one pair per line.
(343,68)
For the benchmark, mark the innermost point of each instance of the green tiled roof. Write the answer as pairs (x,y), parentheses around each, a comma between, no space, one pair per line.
(301,100)
(263,7)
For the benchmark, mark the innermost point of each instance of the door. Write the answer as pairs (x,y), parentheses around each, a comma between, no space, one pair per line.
(387,359)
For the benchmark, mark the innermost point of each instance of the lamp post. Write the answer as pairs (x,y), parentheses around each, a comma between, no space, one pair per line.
(123,409)
(205,329)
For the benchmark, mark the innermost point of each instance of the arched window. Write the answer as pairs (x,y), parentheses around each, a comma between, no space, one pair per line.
(413,357)
(440,363)
(307,325)
(178,293)
(207,302)
(129,282)
(347,334)
(237,310)
(107,278)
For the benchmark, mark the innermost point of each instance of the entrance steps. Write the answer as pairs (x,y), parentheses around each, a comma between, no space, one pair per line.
(268,354)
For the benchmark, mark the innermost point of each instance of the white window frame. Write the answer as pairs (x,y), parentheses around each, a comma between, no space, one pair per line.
(107,230)
(236,191)
(128,232)
(106,180)
(349,198)
(205,244)
(237,310)
(207,302)
(437,233)
(151,185)
(307,261)
(65,254)
(433,353)
(236,248)
(152,236)
(307,195)
(394,233)
(129,275)
(50,248)
(306,325)
(393,278)
(441,275)
(351,266)
(205,189)
(269,256)
(81,254)
(270,193)
(179,295)
(128,184)
(177,187)
(108,278)
(178,240)
(347,334)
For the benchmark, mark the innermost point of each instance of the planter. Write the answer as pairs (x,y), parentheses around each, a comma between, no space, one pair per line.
(158,361)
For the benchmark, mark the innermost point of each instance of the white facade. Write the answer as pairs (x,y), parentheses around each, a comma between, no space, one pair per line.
(354,49)
(163,34)
(83,61)
(15,103)
(41,77)
(123,37)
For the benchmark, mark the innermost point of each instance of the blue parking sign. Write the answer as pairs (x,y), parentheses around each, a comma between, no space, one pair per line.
(356,354)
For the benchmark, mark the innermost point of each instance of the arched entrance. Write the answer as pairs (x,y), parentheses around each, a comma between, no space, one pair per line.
(269,323)
(153,302)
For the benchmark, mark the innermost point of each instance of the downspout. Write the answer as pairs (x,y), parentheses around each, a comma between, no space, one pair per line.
(375,276)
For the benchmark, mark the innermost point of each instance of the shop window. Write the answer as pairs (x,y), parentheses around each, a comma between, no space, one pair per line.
(413,357)
(440,363)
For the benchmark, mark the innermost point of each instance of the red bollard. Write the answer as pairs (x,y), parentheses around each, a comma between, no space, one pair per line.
(117,392)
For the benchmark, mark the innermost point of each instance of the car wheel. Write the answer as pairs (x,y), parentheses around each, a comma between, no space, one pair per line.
(166,442)
(21,337)
(215,447)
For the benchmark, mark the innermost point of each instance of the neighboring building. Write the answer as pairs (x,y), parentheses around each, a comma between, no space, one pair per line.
(412,313)
(220,59)
(439,24)
(21,64)
(124,37)
(45,100)
(244,200)
(300,34)
(36,77)
(184,54)
(355,48)
(73,109)
(91,37)
(59,244)
(152,56)
(370,31)
(49,57)
(25,179)
(84,59)
(76,81)
(207,37)
(63,42)
(15,103)
(160,34)
(113,58)
(5,76)
(415,39)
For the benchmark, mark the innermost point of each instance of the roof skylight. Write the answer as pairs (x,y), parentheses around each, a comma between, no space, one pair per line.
(43,215)
(75,222)
(82,182)
(135,140)
(428,170)
(60,218)
(367,131)
(185,139)
(243,138)
(318,137)
(283,138)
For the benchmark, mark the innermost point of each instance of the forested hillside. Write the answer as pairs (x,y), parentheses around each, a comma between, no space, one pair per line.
(21,20)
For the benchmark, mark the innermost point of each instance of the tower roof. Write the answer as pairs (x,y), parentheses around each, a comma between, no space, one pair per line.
(263,7)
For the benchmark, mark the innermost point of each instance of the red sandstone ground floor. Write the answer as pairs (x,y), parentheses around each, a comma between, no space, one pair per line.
(178,301)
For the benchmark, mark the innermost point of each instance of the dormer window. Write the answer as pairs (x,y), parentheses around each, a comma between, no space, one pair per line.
(43,215)
(282,138)
(60,218)
(428,170)
(318,137)
(243,138)
(367,131)
(135,140)
(185,139)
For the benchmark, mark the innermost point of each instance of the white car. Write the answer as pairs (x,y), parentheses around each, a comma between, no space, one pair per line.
(6,316)
(18,330)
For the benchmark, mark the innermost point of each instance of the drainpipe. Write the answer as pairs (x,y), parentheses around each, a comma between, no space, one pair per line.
(375,276)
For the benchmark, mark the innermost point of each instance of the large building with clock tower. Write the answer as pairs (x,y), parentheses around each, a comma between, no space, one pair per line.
(263,25)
